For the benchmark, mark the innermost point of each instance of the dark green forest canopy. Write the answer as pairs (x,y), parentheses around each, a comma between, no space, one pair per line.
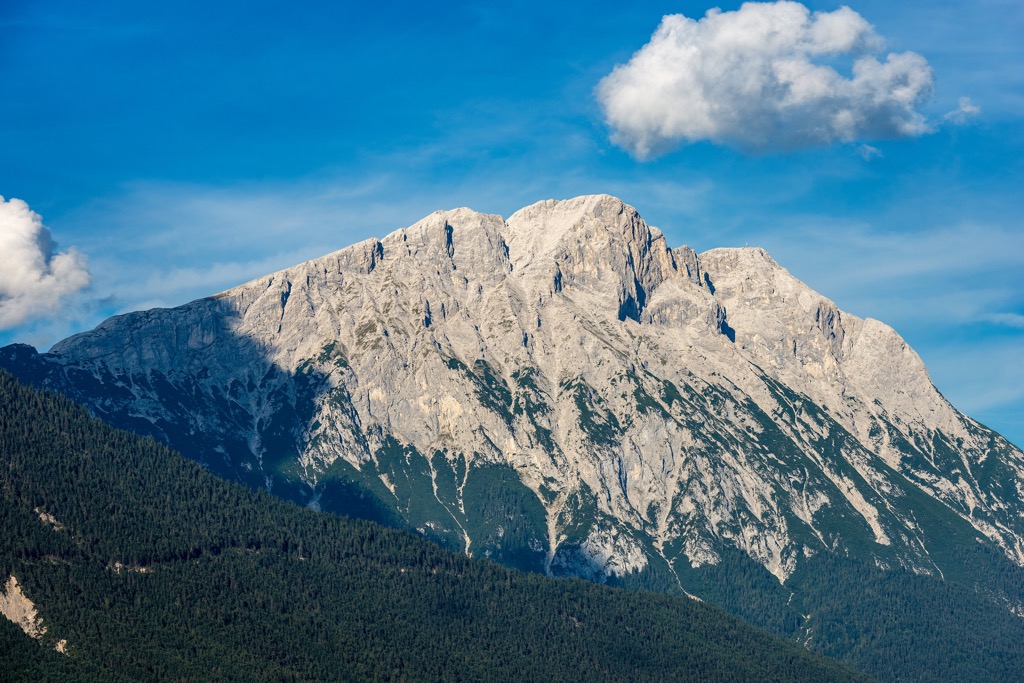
(153,569)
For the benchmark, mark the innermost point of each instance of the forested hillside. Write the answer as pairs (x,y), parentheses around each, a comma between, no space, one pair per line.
(144,566)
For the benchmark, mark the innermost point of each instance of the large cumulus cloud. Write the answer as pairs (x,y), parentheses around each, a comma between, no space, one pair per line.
(34,280)
(762,78)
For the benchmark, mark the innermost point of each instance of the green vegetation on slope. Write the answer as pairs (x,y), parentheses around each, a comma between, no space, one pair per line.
(152,568)
(900,626)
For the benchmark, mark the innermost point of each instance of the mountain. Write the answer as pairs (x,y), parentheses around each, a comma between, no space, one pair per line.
(132,563)
(565,393)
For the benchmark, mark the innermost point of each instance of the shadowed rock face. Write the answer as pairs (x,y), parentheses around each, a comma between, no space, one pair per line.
(564,392)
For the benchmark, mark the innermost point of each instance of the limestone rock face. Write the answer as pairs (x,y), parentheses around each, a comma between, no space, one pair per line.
(563,392)
(17,608)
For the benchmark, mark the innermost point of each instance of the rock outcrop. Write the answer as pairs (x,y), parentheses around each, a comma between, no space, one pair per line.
(18,609)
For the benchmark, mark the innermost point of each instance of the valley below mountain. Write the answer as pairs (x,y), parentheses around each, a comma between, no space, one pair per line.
(564,393)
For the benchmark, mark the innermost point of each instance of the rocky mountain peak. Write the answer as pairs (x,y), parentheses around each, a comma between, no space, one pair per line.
(541,230)
(595,244)
(461,238)
(635,408)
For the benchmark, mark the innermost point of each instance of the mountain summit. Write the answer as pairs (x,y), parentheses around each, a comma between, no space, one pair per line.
(563,392)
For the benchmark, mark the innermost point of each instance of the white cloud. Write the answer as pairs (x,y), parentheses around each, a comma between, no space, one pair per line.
(34,281)
(762,78)
(964,112)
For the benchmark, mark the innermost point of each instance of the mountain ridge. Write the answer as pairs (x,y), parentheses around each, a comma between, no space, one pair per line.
(658,405)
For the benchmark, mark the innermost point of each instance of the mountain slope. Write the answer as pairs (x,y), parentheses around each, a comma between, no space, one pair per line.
(565,393)
(144,567)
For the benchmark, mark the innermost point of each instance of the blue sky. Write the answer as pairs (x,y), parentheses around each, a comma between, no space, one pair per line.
(181,148)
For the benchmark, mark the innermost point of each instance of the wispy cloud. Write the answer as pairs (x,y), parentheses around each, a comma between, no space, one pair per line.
(987,382)
(939,278)
(965,111)
(35,279)
(1015,320)
(867,152)
(763,78)
(165,244)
